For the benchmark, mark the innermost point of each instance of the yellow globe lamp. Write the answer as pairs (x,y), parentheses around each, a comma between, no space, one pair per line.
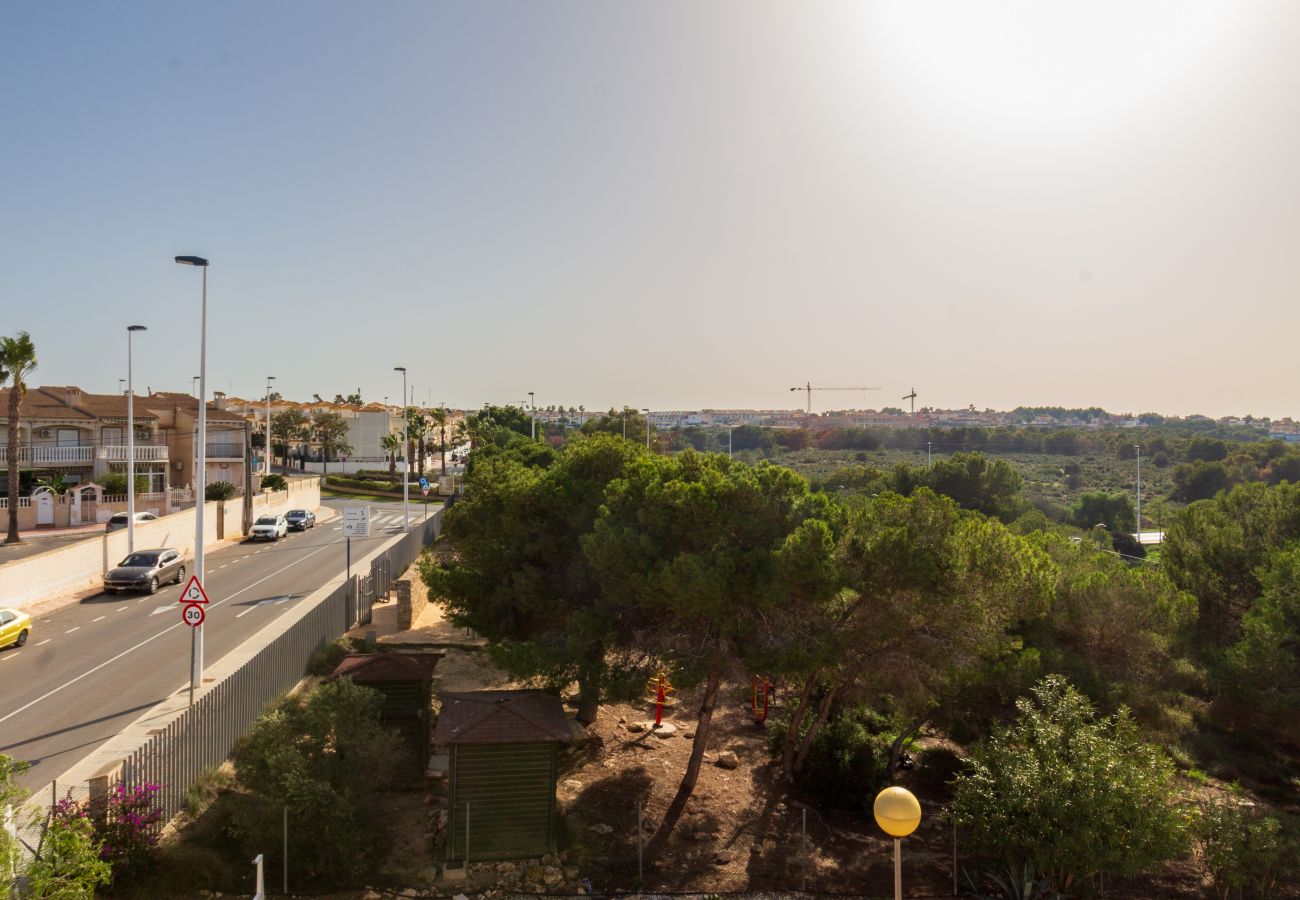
(897,813)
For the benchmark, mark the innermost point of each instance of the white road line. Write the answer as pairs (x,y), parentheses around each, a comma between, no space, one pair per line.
(122,608)
(50,693)
(72,629)
(162,609)
(44,642)
(99,619)
(10,655)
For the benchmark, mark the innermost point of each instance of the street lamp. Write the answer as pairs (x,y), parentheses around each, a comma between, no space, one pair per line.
(130,443)
(532,406)
(194,381)
(731,426)
(266,466)
(647,427)
(1139,510)
(121,385)
(897,813)
(200,475)
(406,453)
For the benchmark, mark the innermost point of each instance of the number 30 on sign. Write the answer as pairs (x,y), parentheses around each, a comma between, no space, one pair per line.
(193,615)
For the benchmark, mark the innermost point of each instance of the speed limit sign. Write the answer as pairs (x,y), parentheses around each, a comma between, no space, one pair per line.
(193,615)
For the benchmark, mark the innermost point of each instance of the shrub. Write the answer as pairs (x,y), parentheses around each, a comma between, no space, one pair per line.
(1069,793)
(274,483)
(69,866)
(124,824)
(846,765)
(325,660)
(936,770)
(1246,854)
(323,757)
(219,490)
(114,484)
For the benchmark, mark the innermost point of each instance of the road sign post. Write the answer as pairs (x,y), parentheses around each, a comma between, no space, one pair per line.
(192,596)
(356,523)
(193,615)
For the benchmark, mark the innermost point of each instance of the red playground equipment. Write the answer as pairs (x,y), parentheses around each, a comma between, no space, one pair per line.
(762,692)
(660,687)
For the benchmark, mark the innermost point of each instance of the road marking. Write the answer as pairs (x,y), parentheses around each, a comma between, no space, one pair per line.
(86,674)
(72,629)
(99,619)
(10,655)
(44,642)
(122,608)
(161,609)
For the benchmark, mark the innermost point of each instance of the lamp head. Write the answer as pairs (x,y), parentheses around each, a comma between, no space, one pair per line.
(192,261)
(399,368)
(136,328)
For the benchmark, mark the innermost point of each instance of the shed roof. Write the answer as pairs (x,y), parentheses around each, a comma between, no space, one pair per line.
(501,717)
(376,667)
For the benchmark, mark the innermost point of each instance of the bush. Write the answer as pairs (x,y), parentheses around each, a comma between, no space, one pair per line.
(274,483)
(936,770)
(325,660)
(69,867)
(219,490)
(1069,793)
(114,484)
(1246,854)
(11,794)
(124,825)
(846,765)
(324,757)
(363,485)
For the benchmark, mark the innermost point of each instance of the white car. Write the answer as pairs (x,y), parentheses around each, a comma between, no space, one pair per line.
(269,528)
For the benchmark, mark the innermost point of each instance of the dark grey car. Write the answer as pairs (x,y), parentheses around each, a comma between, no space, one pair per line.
(144,570)
(300,519)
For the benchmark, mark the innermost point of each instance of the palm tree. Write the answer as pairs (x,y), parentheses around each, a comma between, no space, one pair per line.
(414,430)
(439,418)
(392,445)
(17,362)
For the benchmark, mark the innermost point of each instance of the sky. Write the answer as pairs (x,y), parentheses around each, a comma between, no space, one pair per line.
(674,205)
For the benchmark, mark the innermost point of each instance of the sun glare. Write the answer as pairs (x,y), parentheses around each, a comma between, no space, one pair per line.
(1041,62)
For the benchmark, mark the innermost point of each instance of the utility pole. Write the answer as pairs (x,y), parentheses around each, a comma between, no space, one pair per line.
(1139,509)
(248,476)
(647,428)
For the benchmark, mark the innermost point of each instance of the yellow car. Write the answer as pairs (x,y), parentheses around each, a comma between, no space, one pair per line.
(15,627)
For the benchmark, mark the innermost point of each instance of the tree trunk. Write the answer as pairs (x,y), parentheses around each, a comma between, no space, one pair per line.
(588,696)
(896,748)
(792,727)
(392,463)
(823,713)
(703,721)
(15,409)
(442,449)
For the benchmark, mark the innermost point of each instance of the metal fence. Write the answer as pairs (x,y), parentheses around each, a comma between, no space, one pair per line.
(203,736)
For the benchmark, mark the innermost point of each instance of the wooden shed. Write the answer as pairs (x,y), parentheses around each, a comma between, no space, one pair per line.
(502,749)
(406,682)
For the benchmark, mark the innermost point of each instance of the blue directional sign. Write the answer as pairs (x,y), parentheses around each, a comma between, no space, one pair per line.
(424,483)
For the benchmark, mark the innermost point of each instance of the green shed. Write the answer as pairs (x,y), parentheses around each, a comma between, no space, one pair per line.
(502,749)
(406,682)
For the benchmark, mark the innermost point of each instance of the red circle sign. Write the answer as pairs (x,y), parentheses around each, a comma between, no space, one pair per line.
(193,615)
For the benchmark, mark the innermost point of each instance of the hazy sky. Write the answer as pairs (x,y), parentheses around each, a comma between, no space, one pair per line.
(669,204)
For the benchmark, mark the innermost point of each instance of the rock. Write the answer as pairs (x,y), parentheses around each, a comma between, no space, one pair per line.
(635,727)
(601,828)
(663,730)
(552,876)
(506,868)
(688,734)
(534,873)
(549,860)
(570,872)
(722,857)
(408,892)
(372,895)
(571,784)
(727,759)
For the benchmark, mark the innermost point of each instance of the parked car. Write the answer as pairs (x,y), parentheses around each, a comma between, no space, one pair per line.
(15,627)
(144,570)
(119,520)
(269,528)
(300,519)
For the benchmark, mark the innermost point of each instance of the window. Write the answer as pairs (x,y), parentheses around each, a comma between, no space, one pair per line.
(6,617)
(111,436)
(68,437)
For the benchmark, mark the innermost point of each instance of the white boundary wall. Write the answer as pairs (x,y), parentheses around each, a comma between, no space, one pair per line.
(80,566)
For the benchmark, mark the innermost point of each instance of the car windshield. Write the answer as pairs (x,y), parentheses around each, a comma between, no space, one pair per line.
(118,519)
(297,513)
(266,520)
(139,560)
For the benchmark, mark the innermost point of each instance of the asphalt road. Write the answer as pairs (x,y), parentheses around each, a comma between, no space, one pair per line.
(36,542)
(92,668)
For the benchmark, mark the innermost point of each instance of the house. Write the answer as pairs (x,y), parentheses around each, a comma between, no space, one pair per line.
(83,437)
(178,419)
(503,756)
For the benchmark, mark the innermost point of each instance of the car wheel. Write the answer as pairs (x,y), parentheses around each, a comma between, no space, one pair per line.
(153,585)
(180,574)
(22,638)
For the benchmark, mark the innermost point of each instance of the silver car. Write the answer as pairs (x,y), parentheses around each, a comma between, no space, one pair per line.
(144,570)
(119,520)
(268,528)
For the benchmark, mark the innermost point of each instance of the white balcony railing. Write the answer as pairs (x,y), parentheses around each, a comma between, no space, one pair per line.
(143,453)
(74,456)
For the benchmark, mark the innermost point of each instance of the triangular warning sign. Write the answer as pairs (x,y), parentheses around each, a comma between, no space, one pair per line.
(194,592)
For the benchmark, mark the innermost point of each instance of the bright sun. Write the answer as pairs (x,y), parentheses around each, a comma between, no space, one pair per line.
(1047,62)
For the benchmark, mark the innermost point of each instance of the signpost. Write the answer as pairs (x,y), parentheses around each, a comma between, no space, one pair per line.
(192,614)
(424,489)
(356,523)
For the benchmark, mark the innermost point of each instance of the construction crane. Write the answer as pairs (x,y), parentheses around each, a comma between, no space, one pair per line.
(912,397)
(808,387)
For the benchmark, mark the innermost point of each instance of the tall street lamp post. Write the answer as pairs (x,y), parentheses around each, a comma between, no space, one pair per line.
(406,453)
(730,429)
(1139,510)
(266,466)
(130,443)
(647,427)
(532,408)
(201,466)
